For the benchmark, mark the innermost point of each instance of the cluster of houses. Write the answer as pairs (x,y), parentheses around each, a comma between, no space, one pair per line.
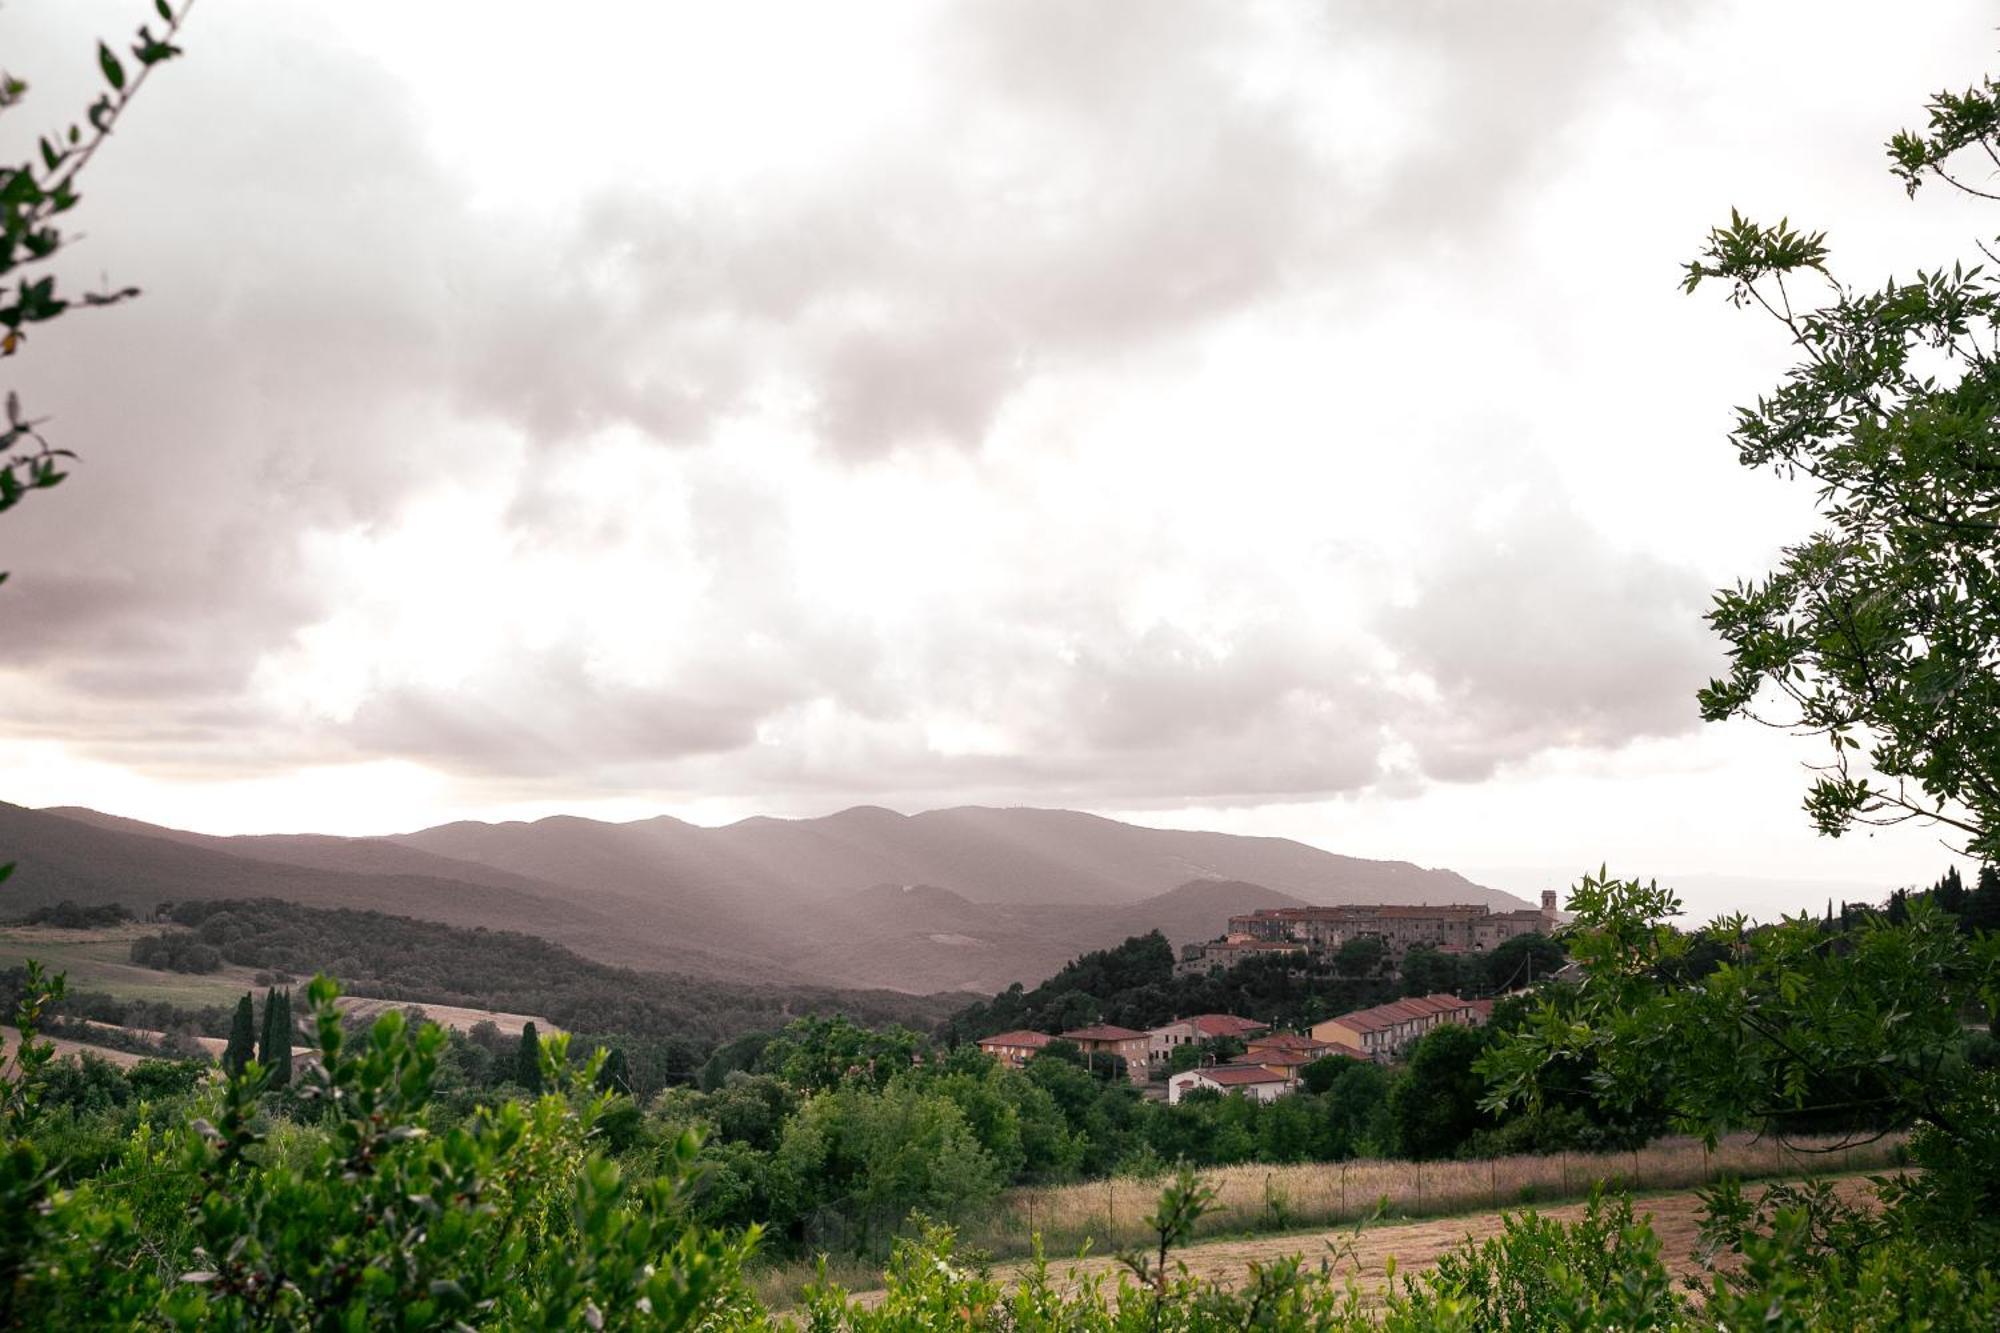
(1318,931)
(1271,1062)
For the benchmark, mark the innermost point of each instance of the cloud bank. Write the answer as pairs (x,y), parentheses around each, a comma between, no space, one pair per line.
(1079,433)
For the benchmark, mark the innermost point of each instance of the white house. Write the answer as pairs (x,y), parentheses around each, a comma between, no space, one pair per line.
(1161,1041)
(1266,1085)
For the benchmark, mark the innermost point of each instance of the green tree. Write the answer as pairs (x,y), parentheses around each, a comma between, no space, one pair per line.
(1879,633)
(612,1075)
(1798,1027)
(814,1053)
(1427,971)
(1361,956)
(1358,1112)
(1982,905)
(242,1047)
(528,1059)
(276,1052)
(1520,961)
(1949,892)
(1436,1106)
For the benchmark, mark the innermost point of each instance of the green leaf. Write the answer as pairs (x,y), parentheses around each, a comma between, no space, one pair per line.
(114,73)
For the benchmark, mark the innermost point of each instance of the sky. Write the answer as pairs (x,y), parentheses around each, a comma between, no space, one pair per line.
(1280,419)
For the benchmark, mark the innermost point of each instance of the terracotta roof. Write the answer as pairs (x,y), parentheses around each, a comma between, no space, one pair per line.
(1225,1025)
(1372,1020)
(1286,1058)
(1102,1032)
(1233,1076)
(1402,1011)
(1021,1038)
(1286,1041)
(1370,911)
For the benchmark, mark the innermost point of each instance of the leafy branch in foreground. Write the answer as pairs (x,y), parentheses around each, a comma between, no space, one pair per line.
(35,196)
(1879,634)
(515,1218)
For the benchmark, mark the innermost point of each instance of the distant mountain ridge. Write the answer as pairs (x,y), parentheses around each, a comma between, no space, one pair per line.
(969,898)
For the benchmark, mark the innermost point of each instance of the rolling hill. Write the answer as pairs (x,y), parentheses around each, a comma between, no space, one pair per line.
(970,898)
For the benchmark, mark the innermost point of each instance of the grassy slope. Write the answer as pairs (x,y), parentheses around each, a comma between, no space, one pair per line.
(97,960)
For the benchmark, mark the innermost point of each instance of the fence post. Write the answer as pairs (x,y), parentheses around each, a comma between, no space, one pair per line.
(1110,1213)
(1420,1189)
(1493,1179)
(1343,1189)
(1565,1172)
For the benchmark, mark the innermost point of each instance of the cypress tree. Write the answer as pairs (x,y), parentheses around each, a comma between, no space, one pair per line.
(242,1047)
(528,1060)
(277,1054)
(264,1032)
(613,1075)
(1950,891)
(1982,905)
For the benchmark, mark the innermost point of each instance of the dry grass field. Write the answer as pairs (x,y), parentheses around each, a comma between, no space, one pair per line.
(1270,1211)
(455,1017)
(67,1049)
(1109,1215)
(100,960)
(1364,1256)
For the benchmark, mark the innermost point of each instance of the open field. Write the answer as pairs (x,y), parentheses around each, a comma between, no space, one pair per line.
(99,960)
(1110,1214)
(214,1046)
(67,1049)
(1280,1210)
(455,1017)
(1365,1256)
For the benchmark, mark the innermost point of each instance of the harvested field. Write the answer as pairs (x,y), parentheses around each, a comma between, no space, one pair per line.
(452,1016)
(1675,1218)
(67,1049)
(100,960)
(1110,1215)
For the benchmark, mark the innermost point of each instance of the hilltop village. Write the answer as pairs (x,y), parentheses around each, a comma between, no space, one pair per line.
(1231,1054)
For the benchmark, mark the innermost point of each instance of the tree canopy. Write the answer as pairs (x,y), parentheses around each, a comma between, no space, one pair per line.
(1880,633)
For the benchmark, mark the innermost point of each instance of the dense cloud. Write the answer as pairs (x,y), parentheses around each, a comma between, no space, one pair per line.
(844,479)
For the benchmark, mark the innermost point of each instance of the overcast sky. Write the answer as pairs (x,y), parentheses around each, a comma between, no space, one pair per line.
(1274,418)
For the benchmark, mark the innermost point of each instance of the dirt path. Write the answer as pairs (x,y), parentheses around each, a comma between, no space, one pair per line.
(1414,1245)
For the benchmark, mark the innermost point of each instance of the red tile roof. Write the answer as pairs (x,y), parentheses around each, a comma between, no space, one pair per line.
(1037,1040)
(1398,1012)
(1225,1025)
(1286,1058)
(1103,1032)
(1287,1041)
(1233,1076)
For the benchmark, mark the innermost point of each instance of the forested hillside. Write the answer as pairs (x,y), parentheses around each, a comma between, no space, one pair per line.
(1134,986)
(968,899)
(398,958)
